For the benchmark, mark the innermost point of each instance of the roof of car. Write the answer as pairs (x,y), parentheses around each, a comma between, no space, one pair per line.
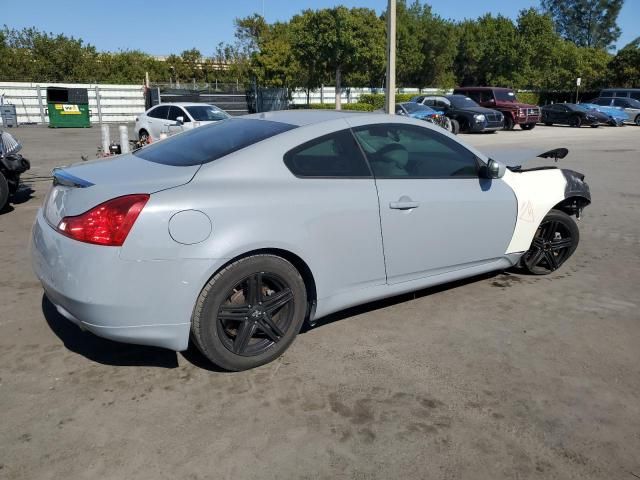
(187,104)
(304,117)
(482,88)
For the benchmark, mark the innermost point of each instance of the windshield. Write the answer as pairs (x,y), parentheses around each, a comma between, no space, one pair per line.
(415,107)
(211,142)
(462,102)
(206,113)
(505,95)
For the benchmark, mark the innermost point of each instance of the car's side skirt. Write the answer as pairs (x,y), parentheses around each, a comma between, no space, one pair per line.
(326,306)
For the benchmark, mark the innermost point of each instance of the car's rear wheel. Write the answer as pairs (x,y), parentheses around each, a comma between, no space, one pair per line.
(143,136)
(250,312)
(4,192)
(575,121)
(508,123)
(555,241)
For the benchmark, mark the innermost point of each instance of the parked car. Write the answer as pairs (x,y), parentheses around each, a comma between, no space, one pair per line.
(616,115)
(176,117)
(422,112)
(631,106)
(621,92)
(504,100)
(465,114)
(571,114)
(12,165)
(236,233)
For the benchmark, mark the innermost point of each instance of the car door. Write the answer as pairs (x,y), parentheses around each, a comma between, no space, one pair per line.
(156,120)
(436,213)
(172,125)
(630,107)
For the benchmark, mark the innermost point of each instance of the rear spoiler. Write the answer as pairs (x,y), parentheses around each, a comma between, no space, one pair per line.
(515,158)
(60,177)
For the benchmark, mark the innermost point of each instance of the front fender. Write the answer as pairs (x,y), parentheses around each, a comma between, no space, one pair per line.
(538,191)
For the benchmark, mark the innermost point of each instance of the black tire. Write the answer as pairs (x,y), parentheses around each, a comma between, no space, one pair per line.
(4,192)
(219,318)
(143,135)
(595,125)
(527,126)
(508,123)
(548,124)
(554,242)
(576,121)
(637,120)
(455,127)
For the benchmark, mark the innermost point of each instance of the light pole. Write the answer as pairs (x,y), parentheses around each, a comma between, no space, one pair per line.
(390,97)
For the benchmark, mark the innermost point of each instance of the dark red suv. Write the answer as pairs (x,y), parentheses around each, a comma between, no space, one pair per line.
(504,99)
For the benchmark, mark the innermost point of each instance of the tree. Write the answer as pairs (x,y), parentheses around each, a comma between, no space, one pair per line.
(625,66)
(426,46)
(587,23)
(338,40)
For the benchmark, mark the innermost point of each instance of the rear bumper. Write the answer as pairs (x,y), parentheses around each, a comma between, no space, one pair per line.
(142,302)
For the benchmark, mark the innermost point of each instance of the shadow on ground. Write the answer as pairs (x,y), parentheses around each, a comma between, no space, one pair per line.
(105,351)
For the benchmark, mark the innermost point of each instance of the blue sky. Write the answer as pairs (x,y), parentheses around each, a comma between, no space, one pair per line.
(162,27)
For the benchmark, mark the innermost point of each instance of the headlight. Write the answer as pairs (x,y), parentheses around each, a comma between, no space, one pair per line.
(479,118)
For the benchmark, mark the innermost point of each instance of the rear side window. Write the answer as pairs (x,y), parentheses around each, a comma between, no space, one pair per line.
(211,142)
(333,155)
(159,112)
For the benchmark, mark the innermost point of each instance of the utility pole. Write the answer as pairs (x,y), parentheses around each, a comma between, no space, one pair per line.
(390,98)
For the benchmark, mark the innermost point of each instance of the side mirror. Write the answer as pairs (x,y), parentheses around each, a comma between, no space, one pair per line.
(180,120)
(494,169)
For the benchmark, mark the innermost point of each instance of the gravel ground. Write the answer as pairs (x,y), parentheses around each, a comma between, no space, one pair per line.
(502,376)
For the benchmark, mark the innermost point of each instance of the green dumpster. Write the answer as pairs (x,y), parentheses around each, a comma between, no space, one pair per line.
(68,107)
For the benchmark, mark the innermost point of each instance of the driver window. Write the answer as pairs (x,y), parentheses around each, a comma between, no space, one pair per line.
(406,151)
(175,112)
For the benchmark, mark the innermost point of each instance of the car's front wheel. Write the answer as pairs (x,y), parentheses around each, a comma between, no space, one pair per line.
(508,123)
(4,192)
(555,241)
(527,126)
(455,126)
(250,312)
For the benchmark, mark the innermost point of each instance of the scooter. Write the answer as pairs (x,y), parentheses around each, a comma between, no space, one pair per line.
(12,165)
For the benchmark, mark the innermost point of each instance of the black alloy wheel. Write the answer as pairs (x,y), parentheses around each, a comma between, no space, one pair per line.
(576,121)
(555,241)
(249,312)
(256,314)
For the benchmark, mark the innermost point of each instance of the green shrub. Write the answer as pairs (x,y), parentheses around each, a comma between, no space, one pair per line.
(532,98)
(376,100)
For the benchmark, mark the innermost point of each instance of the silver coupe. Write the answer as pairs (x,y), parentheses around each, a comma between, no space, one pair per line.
(235,234)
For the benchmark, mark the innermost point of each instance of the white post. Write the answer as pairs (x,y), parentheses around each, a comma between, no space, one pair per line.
(98,104)
(124,139)
(106,138)
(391,58)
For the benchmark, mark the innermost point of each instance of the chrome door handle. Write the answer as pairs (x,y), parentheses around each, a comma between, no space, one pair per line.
(404,205)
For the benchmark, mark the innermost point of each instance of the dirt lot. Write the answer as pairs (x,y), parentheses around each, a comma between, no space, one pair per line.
(504,376)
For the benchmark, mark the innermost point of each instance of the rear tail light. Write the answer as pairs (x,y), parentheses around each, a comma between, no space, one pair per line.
(106,224)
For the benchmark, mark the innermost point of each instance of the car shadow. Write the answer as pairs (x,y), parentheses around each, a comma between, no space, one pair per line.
(105,351)
(405,297)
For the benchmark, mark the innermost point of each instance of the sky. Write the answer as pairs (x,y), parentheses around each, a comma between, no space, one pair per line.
(163,27)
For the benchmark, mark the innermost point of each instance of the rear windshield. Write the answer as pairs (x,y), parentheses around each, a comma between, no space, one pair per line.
(210,142)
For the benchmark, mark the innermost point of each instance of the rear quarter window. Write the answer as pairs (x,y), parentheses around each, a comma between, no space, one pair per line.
(211,142)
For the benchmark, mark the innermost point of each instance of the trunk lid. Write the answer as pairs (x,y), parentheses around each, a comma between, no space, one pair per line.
(80,187)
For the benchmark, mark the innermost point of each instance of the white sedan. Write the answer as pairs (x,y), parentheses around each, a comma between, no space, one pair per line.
(175,118)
